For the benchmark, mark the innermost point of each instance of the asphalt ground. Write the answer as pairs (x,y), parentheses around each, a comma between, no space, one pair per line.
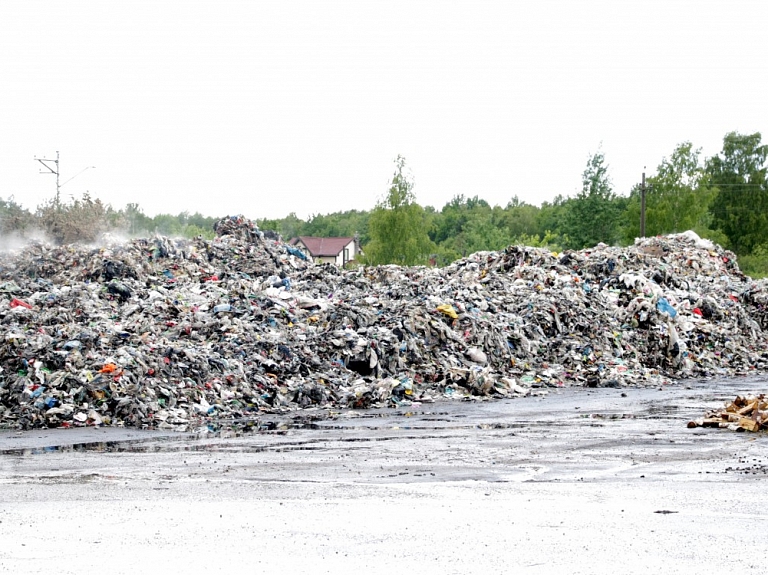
(577,481)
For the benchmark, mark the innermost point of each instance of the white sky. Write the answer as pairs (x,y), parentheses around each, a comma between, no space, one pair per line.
(266,108)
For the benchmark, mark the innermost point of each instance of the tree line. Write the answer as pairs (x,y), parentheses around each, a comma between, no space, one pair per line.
(86,219)
(723,198)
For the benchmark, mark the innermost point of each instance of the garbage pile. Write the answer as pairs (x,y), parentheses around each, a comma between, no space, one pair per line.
(168,333)
(742,414)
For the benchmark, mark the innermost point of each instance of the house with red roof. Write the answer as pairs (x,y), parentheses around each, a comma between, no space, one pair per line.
(339,251)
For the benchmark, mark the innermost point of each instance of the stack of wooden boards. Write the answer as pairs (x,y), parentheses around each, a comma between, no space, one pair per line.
(742,414)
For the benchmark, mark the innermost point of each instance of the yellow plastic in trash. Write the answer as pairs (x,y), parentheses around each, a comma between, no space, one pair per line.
(448,310)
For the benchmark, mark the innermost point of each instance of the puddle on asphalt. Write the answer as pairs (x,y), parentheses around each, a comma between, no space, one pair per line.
(222,441)
(202,442)
(377,426)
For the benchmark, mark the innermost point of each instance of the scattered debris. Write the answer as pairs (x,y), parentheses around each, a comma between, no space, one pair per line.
(180,333)
(742,414)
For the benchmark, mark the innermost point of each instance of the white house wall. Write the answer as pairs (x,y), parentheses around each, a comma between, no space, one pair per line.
(338,259)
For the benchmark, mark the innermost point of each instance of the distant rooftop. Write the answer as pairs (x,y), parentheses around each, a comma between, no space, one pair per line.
(323,247)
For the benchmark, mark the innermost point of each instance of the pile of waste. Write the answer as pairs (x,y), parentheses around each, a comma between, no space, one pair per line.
(742,414)
(166,333)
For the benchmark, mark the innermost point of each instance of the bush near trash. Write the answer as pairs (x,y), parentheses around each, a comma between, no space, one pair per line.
(179,334)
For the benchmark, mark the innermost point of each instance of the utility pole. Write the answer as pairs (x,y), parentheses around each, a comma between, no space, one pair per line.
(642,208)
(52,167)
(47,165)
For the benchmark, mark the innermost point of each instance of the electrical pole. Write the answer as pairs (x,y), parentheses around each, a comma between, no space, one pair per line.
(642,208)
(47,165)
(52,167)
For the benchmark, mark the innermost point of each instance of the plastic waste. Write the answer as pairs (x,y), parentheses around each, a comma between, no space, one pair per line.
(448,310)
(665,307)
(245,328)
(477,355)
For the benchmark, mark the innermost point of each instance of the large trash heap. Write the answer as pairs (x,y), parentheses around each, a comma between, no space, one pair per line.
(184,333)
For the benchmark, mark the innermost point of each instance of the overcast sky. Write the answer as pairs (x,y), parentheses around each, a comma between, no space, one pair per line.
(267,108)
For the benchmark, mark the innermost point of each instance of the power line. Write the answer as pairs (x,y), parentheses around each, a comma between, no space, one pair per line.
(52,167)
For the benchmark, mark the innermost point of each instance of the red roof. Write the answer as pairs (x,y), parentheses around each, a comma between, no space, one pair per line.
(325,247)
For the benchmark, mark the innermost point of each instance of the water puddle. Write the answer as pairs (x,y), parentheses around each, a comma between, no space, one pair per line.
(305,431)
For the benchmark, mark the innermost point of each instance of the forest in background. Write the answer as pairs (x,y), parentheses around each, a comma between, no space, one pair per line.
(723,198)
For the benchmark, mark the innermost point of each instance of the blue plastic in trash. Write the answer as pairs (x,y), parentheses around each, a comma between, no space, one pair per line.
(296,252)
(664,307)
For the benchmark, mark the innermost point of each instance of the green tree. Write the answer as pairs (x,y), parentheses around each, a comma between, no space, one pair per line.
(166,225)
(593,215)
(484,234)
(467,225)
(137,222)
(450,221)
(292,226)
(551,219)
(339,224)
(755,263)
(81,220)
(398,225)
(520,218)
(740,209)
(200,221)
(13,217)
(678,197)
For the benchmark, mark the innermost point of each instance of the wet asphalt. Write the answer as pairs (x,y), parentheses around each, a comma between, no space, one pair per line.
(578,481)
